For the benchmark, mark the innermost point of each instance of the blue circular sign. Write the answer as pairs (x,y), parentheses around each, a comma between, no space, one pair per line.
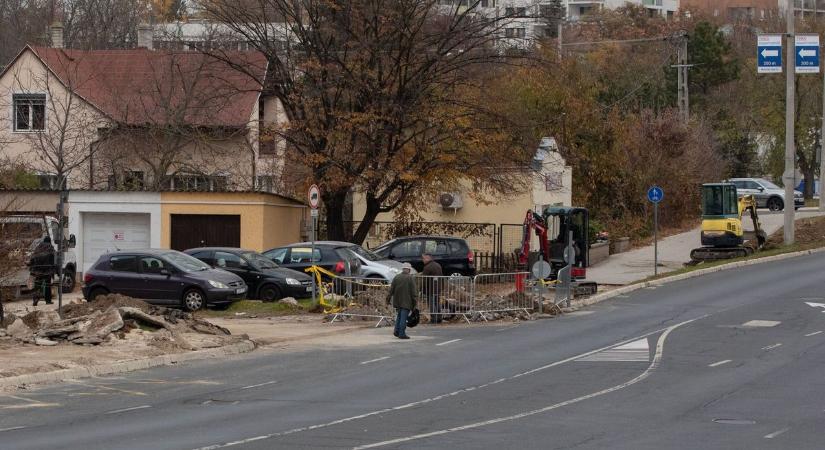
(655,194)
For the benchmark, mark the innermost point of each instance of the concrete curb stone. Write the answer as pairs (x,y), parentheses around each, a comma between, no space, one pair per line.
(598,298)
(125,366)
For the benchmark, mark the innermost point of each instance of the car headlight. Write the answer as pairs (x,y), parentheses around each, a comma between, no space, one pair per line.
(218,284)
(293,282)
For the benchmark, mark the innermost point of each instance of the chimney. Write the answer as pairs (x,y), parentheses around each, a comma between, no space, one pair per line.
(145,36)
(56,33)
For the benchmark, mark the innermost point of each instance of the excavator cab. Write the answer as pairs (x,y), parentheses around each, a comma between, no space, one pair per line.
(561,220)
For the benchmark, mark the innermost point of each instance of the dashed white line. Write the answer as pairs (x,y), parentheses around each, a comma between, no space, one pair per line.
(657,358)
(717,364)
(259,385)
(448,342)
(374,360)
(776,433)
(438,397)
(117,411)
(813,334)
(771,347)
(11,429)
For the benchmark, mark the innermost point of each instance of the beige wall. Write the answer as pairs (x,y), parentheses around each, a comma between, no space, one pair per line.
(266,220)
(23,202)
(28,75)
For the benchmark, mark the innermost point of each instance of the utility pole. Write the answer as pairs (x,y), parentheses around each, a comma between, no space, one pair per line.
(790,102)
(684,95)
(822,151)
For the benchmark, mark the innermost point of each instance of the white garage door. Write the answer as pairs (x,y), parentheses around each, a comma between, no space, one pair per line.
(106,232)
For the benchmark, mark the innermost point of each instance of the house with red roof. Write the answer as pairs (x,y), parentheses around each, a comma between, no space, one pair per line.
(140,119)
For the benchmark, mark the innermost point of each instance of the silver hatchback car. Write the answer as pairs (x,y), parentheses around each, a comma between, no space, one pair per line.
(768,195)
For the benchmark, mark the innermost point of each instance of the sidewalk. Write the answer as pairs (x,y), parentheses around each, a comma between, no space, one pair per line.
(674,251)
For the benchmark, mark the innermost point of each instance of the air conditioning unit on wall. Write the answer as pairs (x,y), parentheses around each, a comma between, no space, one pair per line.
(450,200)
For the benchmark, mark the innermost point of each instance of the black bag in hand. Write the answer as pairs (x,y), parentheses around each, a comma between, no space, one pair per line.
(413,318)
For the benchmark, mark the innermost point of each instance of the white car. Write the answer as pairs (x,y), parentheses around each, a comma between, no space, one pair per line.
(374,266)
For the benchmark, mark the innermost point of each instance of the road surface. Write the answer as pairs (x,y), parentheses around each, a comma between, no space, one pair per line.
(733,359)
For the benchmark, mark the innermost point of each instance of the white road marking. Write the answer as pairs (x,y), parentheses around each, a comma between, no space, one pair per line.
(657,358)
(717,364)
(117,411)
(761,323)
(636,351)
(771,347)
(448,342)
(11,429)
(813,334)
(374,360)
(776,433)
(439,397)
(259,385)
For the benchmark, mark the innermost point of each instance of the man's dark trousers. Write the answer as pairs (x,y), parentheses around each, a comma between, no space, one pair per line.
(401,322)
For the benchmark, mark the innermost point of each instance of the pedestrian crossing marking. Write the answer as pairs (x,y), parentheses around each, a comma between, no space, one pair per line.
(636,351)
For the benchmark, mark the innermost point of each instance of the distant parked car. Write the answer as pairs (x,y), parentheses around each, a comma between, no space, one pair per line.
(266,281)
(373,265)
(767,194)
(162,277)
(452,253)
(331,255)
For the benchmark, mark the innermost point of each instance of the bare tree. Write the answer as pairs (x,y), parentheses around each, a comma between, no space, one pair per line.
(381,96)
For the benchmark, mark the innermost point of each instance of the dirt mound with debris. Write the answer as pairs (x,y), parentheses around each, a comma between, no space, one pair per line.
(102,303)
(809,232)
(117,317)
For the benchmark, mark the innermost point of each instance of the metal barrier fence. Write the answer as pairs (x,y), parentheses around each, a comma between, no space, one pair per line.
(503,292)
(439,298)
(443,298)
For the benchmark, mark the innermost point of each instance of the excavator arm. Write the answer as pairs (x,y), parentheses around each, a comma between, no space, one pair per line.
(533,223)
(747,203)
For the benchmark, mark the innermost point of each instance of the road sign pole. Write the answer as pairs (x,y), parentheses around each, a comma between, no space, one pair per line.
(821,152)
(312,252)
(655,239)
(790,101)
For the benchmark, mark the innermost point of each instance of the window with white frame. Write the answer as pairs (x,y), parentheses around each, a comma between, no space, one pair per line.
(29,112)
(266,183)
(48,181)
(515,32)
(194,182)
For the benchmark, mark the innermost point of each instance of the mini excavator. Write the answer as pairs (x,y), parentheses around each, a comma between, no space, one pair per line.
(723,236)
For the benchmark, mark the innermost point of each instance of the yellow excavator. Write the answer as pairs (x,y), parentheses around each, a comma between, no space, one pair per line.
(723,236)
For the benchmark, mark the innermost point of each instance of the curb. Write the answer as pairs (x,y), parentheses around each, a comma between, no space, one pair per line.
(125,366)
(598,298)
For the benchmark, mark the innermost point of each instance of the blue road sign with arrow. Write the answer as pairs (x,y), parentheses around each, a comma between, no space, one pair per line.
(807,53)
(769,53)
(655,194)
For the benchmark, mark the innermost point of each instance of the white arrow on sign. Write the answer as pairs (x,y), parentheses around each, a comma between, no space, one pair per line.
(803,53)
(770,53)
(816,305)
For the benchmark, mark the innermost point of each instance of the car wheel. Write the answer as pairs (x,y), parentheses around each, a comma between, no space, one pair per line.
(269,293)
(97,292)
(775,204)
(68,281)
(456,274)
(193,300)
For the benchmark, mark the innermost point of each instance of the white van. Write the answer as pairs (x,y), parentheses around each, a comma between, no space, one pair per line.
(27,232)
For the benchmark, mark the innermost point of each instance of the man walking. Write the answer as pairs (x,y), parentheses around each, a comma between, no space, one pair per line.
(402,294)
(431,286)
(42,269)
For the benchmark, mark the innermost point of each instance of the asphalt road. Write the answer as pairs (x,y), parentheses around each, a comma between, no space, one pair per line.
(731,360)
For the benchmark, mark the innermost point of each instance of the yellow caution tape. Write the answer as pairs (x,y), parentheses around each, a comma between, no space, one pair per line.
(322,289)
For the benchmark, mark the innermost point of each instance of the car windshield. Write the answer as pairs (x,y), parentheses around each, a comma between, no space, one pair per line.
(260,261)
(185,262)
(385,246)
(364,253)
(768,185)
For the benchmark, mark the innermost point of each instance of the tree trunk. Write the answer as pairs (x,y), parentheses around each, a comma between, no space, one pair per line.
(809,176)
(373,208)
(334,203)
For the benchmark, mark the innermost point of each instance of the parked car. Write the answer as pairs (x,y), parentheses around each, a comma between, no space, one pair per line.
(767,194)
(162,277)
(265,280)
(373,265)
(330,255)
(452,253)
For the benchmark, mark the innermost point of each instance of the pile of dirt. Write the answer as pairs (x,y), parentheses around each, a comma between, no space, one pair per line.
(111,318)
(808,232)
